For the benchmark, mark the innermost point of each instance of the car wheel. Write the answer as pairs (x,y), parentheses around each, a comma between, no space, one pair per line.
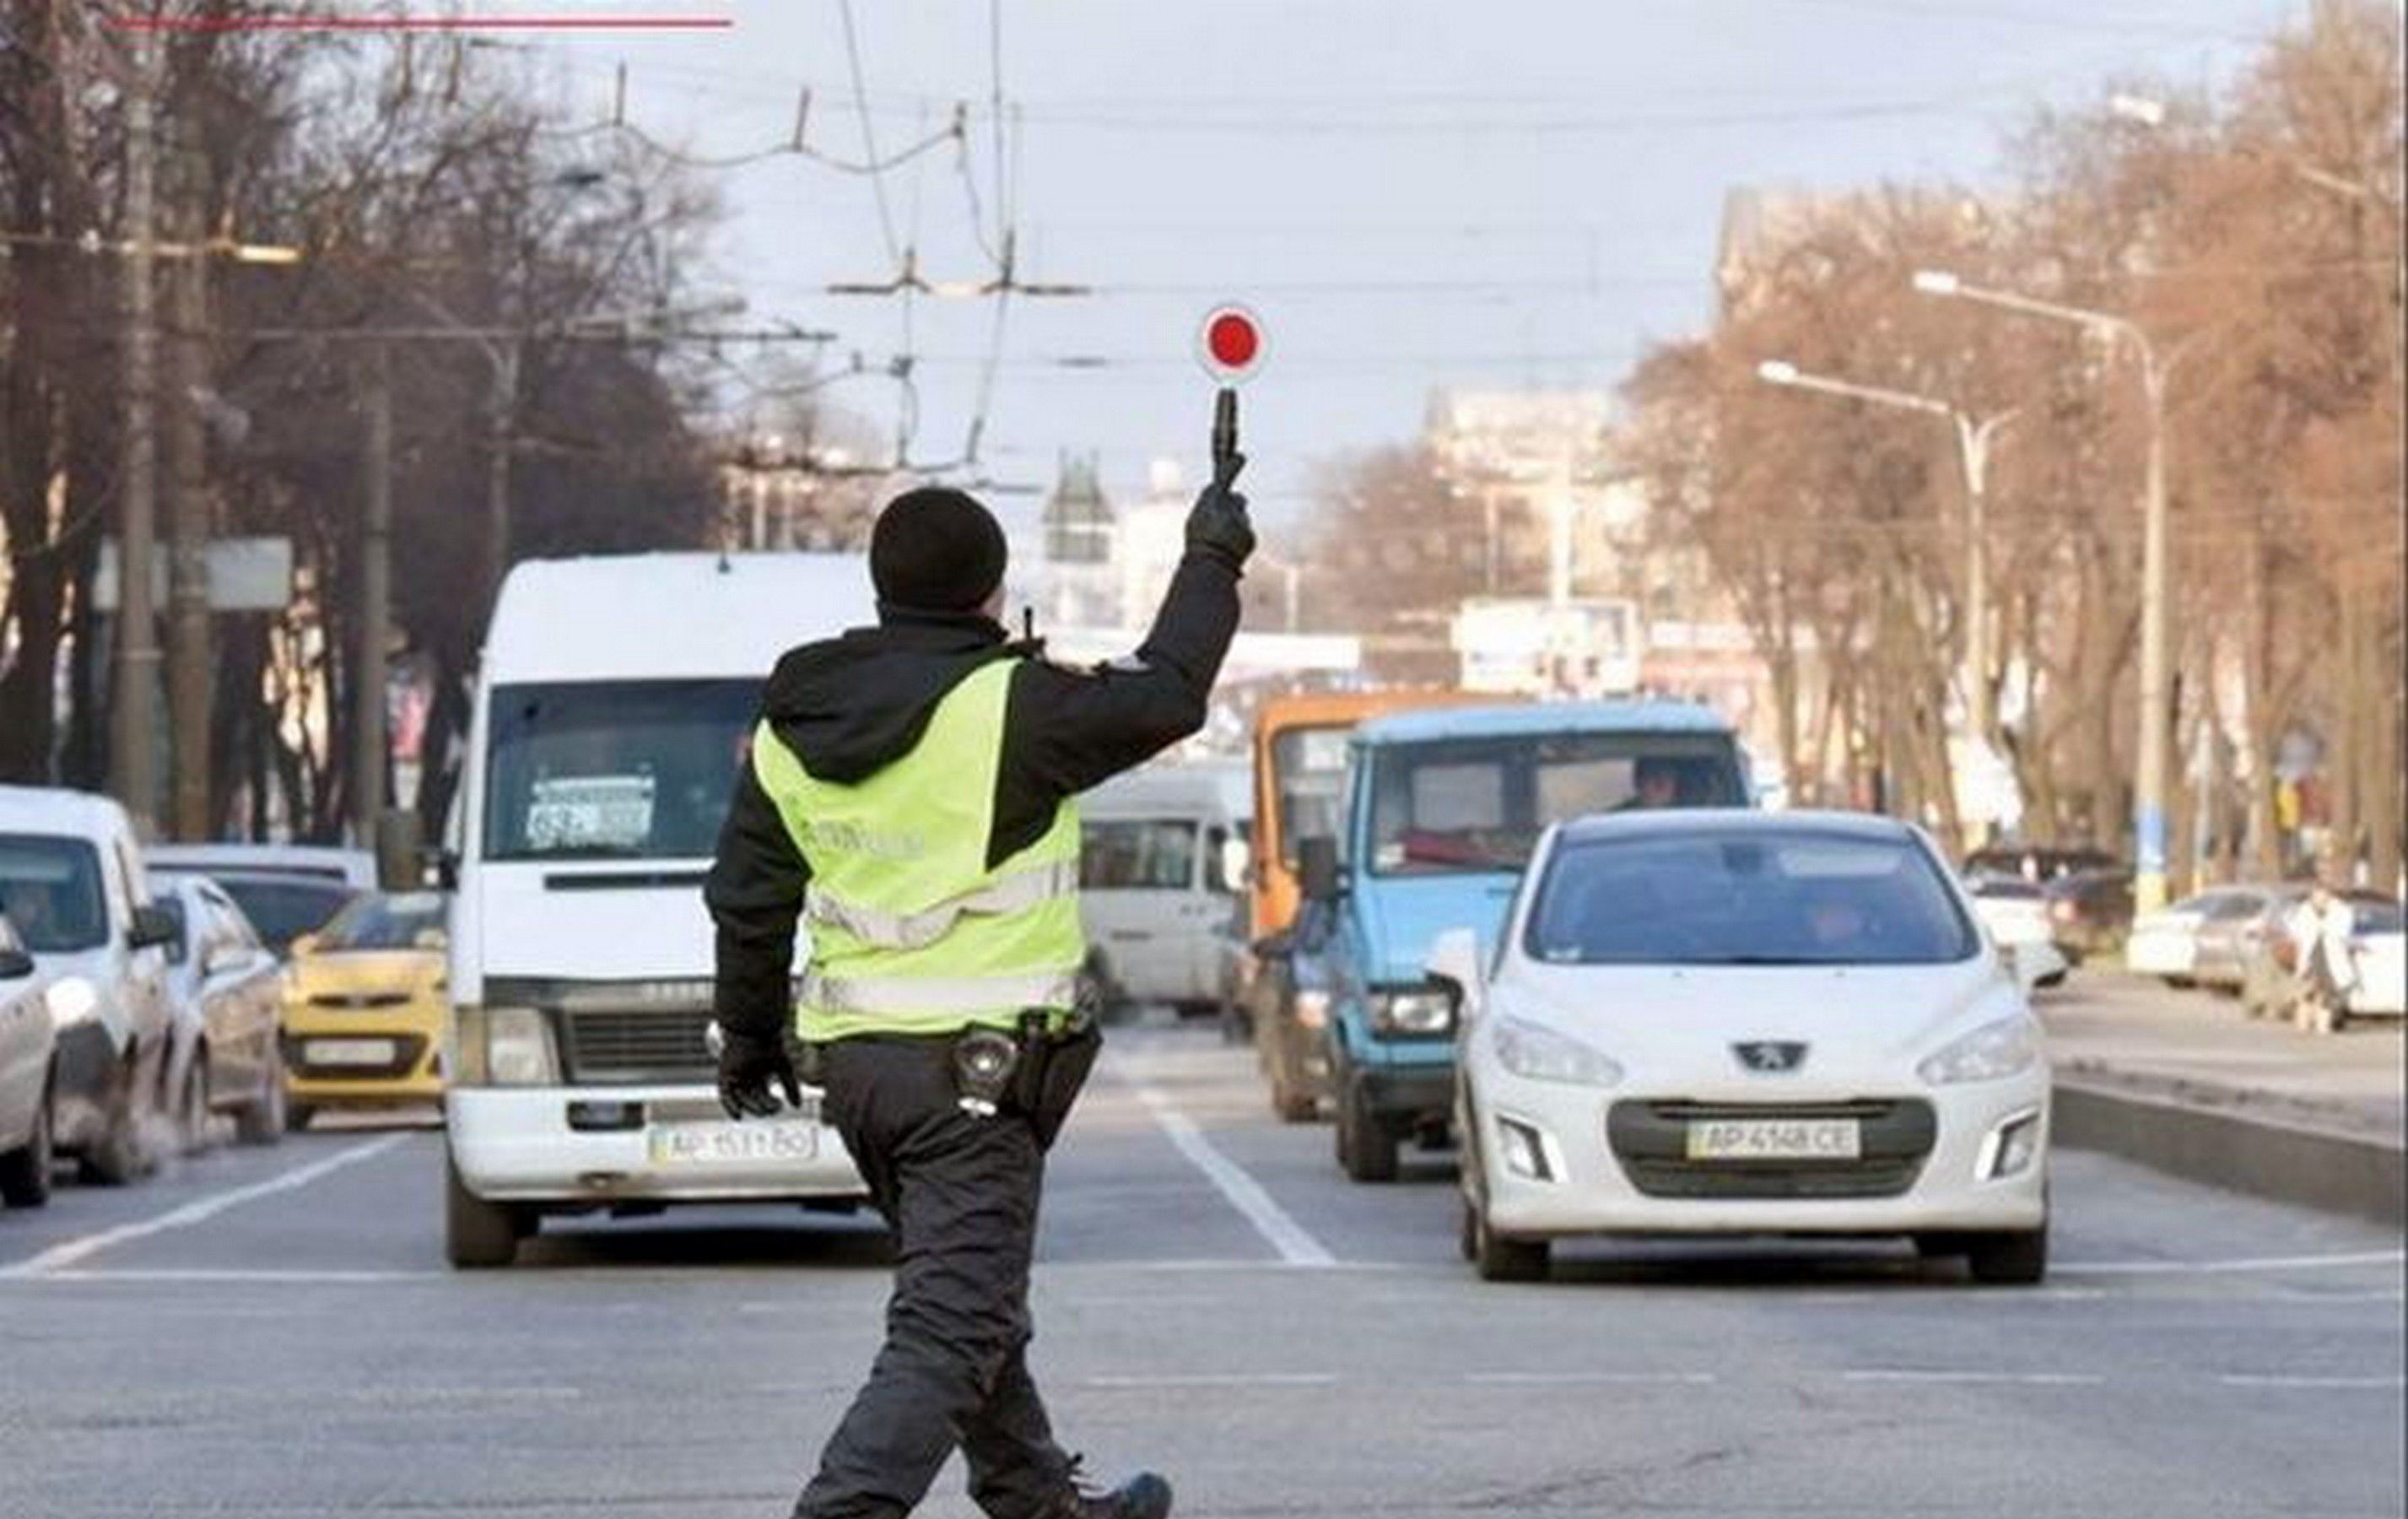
(2180,984)
(478,1234)
(1497,1258)
(25,1171)
(1367,1151)
(193,1105)
(297,1115)
(1467,1235)
(119,1156)
(262,1119)
(2014,1258)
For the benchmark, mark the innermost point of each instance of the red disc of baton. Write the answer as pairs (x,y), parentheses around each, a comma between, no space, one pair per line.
(1230,343)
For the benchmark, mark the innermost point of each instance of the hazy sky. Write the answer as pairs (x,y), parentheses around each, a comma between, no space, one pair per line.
(1412,192)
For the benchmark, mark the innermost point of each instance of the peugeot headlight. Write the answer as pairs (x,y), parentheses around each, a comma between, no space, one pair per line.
(72,1000)
(1536,1052)
(503,1047)
(1991,1053)
(1311,1008)
(1413,1011)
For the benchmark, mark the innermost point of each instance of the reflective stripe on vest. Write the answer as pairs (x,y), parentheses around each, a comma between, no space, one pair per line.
(1014,893)
(912,931)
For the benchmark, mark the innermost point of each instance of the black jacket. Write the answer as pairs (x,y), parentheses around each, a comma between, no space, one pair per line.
(849,706)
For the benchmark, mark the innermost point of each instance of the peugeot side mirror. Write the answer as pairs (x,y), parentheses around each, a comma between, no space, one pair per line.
(1316,869)
(153,926)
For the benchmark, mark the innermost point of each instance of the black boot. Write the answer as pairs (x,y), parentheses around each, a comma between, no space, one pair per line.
(1144,1495)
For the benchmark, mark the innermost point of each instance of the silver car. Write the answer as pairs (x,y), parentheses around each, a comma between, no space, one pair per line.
(27,1046)
(228,991)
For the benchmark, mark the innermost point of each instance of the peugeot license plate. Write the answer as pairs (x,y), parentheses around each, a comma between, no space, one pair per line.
(1775,1139)
(350,1052)
(774,1143)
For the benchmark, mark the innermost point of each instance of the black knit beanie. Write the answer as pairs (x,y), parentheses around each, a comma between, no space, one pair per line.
(935,549)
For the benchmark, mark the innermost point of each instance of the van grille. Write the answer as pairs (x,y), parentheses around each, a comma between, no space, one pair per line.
(601,1046)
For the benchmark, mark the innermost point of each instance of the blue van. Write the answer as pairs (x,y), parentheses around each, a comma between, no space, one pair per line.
(1443,809)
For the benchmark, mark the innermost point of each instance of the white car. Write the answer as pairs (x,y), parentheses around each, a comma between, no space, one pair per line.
(2015,914)
(2165,943)
(2376,942)
(1729,1023)
(26,1043)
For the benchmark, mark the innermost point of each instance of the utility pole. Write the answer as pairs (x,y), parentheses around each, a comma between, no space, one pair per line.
(188,663)
(504,357)
(376,594)
(133,761)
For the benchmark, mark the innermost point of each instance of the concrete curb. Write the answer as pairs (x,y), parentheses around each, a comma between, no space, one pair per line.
(2309,1165)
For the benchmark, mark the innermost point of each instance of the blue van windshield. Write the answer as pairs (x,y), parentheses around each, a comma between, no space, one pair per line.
(1479,805)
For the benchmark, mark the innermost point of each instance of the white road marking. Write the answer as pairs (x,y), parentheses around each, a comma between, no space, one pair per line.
(2259,1263)
(1296,1245)
(2019,1378)
(1584,1379)
(231,1275)
(2340,1383)
(83,1248)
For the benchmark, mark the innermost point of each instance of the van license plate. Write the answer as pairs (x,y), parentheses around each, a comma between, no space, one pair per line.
(1775,1138)
(350,1052)
(672,1145)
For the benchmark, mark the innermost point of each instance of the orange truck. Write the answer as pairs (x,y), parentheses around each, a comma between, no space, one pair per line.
(1299,762)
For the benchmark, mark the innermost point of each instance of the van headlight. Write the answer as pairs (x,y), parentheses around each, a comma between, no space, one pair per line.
(503,1047)
(1991,1053)
(1536,1052)
(72,1000)
(1411,1011)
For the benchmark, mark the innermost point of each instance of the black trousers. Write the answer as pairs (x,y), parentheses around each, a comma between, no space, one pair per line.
(961,1193)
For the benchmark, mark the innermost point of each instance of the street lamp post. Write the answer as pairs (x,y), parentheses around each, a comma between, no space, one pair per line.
(2149,762)
(1974,436)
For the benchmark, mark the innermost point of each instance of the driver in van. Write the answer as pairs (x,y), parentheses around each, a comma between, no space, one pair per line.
(907,798)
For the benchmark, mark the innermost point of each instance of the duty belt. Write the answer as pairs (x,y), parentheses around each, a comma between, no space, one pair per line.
(1014,893)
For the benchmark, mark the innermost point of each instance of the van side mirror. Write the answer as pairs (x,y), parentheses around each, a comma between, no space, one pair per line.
(153,926)
(1454,963)
(1234,860)
(1316,869)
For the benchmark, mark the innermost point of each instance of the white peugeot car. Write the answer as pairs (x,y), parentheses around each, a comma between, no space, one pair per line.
(1726,1023)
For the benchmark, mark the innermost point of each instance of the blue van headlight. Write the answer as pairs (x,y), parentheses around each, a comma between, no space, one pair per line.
(1412,1011)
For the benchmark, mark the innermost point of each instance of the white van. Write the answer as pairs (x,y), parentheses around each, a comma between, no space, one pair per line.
(615,700)
(1161,867)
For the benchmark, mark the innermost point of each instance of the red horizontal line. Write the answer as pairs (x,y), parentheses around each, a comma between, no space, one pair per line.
(419,23)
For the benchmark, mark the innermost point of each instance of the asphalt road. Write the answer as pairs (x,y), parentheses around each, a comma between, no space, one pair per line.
(273,1333)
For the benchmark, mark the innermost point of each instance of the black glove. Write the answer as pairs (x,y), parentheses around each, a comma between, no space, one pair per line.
(748,1063)
(1218,525)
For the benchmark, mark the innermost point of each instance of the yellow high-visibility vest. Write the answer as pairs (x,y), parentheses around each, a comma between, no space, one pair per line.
(910,932)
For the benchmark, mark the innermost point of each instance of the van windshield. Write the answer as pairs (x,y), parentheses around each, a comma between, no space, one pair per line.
(613,769)
(1309,780)
(1145,854)
(49,887)
(1480,804)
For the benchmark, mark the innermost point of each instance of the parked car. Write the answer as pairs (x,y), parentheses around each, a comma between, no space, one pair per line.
(2377,941)
(1731,1023)
(345,866)
(365,1005)
(26,1045)
(72,881)
(2038,862)
(2015,912)
(281,903)
(228,990)
(1443,808)
(2089,911)
(2165,943)
(2228,945)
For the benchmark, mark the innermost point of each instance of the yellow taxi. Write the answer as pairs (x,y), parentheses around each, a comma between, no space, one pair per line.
(364,1006)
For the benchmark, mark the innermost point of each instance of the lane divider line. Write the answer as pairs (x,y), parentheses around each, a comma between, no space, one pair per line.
(2017,1379)
(2341,1383)
(1295,1243)
(1585,1379)
(2259,1263)
(201,1210)
(1234,1378)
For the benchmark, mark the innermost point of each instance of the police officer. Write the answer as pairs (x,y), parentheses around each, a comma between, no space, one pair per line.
(907,798)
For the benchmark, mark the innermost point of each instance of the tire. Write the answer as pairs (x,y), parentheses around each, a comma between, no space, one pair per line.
(119,1156)
(2180,984)
(262,1120)
(2015,1259)
(1939,1246)
(25,1171)
(297,1115)
(479,1235)
(1367,1151)
(193,1105)
(1497,1258)
(1466,1234)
